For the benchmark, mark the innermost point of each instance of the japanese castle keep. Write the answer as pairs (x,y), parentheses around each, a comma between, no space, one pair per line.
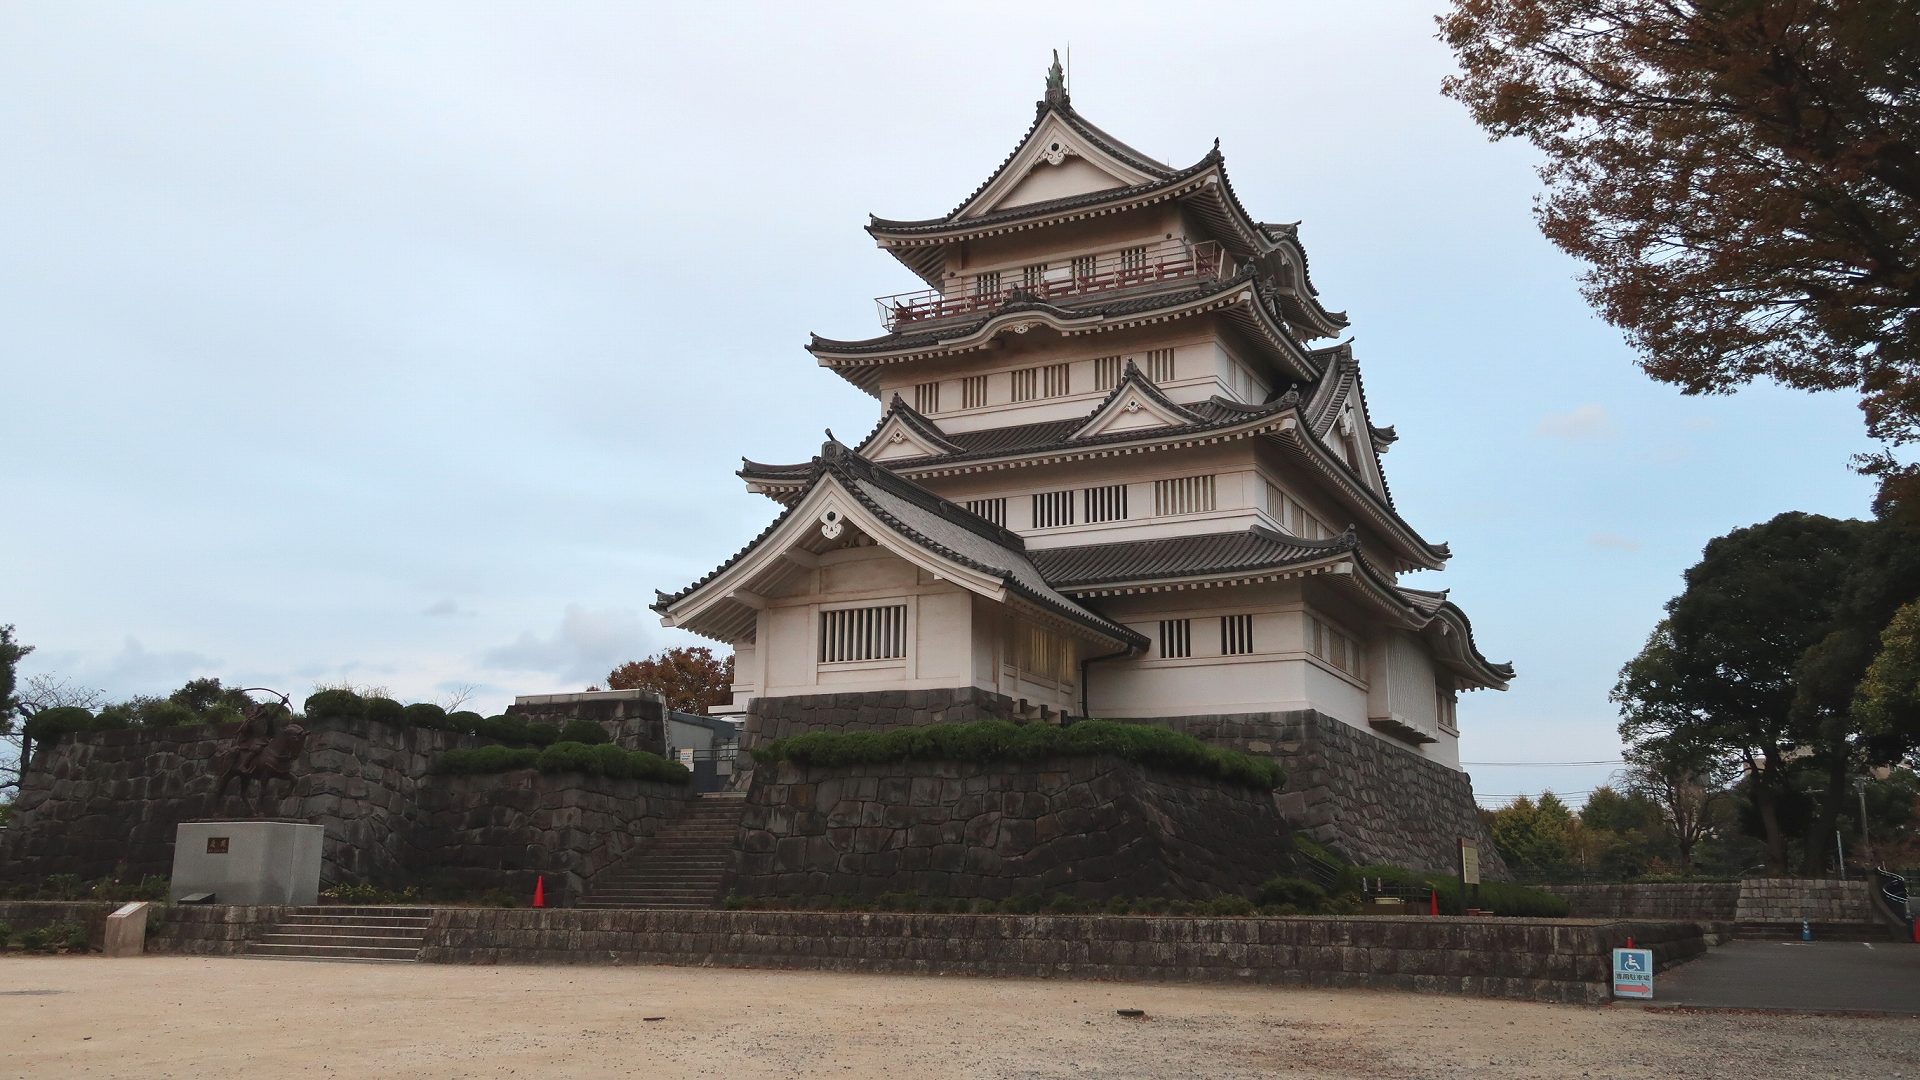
(1114,477)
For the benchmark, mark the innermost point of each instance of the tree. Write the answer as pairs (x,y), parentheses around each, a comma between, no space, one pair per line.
(1742,178)
(1532,836)
(1716,678)
(691,678)
(11,653)
(1887,700)
(1683,781)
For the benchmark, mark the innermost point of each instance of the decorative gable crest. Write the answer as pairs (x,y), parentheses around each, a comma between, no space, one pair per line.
(1135,404)
(903,434)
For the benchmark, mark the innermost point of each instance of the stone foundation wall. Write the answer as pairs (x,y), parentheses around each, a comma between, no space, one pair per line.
(635,719)
(109,803)
(1356,793)
(770,718)
(1533,959)
(500,830)
(1088,827)
(1794,899)
(1714,900)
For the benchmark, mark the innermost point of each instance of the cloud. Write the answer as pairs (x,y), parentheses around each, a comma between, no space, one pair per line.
(1585,422)
(1700,423)
(137,669)
(447,609)
(586,645)
(1613,541)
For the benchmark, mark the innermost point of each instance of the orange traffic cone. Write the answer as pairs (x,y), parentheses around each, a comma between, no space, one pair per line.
(540,891)
(1433,901)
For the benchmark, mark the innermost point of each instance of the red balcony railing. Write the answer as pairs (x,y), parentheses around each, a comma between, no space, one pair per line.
(1136,267)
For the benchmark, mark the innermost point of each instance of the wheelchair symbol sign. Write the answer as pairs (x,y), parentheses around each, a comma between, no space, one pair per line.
(1633,973)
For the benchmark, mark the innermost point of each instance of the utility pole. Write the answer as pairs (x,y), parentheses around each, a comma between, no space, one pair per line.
(1866,843)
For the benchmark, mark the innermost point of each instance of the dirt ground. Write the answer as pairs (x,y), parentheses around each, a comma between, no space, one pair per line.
(157,1017)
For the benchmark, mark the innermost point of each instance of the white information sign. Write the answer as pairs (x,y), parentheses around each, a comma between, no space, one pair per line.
(1633,974)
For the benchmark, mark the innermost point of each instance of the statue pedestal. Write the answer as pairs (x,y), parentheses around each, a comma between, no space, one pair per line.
(248,862)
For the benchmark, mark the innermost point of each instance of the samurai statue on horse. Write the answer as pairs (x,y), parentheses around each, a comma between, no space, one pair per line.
(257,752)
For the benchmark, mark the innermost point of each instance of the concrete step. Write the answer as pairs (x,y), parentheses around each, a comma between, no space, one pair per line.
(397,910)
(332,952)
(353,940)
(355,930)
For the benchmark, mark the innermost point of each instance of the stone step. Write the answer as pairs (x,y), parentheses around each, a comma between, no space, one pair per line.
(332,952)
(354,929)
(360,940)
(357,920)
(398,910)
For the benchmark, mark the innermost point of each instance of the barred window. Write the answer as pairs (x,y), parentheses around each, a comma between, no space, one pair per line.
(1176,638)
(1133,258)
(1236,635)
(1183,495)
(1293,517)
(1107,503)
(926,397)
(1052,509)
(987,284)
(1085,266)
(1336,647)
(863,633)
(1159,365)
(1033,277)
(1040,382)
(994,510)
(973,392)
(1106,372)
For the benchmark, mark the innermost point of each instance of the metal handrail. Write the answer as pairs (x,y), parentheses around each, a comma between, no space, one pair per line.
(1145,265)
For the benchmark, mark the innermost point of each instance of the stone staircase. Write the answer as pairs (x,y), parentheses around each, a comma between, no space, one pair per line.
(681,866)
(367,934)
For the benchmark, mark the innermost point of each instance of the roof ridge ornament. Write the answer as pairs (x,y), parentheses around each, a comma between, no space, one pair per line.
(1057,84)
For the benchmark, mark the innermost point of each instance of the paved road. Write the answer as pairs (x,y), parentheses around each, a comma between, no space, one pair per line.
(1828,976)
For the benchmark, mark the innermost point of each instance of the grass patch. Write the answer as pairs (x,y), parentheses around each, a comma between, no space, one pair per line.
(999,740)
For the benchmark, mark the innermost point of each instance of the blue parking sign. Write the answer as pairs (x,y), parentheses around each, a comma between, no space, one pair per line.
(1633,973)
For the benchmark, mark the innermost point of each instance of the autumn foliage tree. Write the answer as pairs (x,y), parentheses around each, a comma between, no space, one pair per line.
(1742,178)
(691,678)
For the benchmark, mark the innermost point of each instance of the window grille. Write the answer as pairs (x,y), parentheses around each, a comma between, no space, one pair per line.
(1184,495)
(1236,635)
(1335,647)
(973,392)
(1026,384)
(863,633)
(1106,372)
(1176,639)
(1133,258)
(1052,509)
(1053,380)
(1107,503)
(987,284)
(994,510)
(1035,276)
(1085,266)
(926,397)
(1159,366)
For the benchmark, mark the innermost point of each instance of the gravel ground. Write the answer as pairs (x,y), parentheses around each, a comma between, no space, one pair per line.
(157,1017)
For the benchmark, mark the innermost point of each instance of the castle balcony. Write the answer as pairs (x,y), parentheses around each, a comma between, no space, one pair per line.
(1144,268)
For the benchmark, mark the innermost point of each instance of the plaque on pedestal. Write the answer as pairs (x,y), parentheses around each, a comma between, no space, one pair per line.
(248,862)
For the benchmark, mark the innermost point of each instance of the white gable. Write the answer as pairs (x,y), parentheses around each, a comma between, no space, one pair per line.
(897,439)
(1053,164)
(1131,411)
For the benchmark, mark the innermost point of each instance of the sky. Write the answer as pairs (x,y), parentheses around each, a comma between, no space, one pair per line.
(414,346)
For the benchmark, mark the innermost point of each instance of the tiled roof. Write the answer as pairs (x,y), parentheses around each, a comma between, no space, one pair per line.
(1042,209)
(940,526)
(1181,556)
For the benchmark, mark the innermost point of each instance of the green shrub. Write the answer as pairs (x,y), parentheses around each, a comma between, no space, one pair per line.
(335,706)
(485,759)
(6,934)
(542,733)
(465,720)
(70,935)
(998,740)
(63,887)
(34,941)
(357,893)
(506,728)
(222,714)
(583,731)
(50,725)
(1299,893)
(1495,896)
(386,710)
(427,715)
(165,712)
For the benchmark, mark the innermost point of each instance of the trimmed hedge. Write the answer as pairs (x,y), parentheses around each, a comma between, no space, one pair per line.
(386,711)
(584,731)
(335,705)
(427,715)
(999,740)
(602,760)
(48,725)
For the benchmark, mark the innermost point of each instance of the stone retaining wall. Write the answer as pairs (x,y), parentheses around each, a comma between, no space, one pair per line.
(1754,900)
(1357,793)
(109,804)
(1714,900)
(1095,827)
(500,830)
(770,718)
(1534,959)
